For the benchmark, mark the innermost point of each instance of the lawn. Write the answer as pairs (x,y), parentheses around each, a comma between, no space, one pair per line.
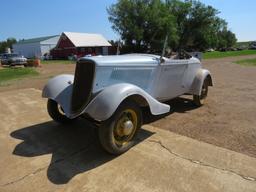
(247,62)
(7,74)
(57,62)
(217,54)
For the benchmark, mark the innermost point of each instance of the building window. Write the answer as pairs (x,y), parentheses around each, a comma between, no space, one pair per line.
(98,51)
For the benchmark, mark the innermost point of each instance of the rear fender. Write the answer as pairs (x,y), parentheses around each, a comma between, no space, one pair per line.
(198,81)
(105,103)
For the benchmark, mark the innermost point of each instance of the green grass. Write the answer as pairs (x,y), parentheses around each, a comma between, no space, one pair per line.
(8,74)
(218,54)
(57,62)
(247,62)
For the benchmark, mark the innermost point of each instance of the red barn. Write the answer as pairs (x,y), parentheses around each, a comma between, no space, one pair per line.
(80,44)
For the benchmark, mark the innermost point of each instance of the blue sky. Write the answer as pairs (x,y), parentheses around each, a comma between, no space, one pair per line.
(30,18)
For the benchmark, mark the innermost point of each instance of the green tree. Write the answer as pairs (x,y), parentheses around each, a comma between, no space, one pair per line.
(226,39)
(7,44)
(142,24)
(189,24)
(197,24)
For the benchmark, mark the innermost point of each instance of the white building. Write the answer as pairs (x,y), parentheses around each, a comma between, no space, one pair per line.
(35,47)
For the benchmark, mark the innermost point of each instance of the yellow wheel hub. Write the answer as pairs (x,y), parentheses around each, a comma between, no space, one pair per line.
(125,127)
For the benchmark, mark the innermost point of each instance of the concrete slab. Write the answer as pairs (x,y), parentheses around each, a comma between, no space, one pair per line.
(39,155)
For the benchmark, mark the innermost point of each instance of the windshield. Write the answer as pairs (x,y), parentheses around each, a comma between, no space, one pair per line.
(11,55)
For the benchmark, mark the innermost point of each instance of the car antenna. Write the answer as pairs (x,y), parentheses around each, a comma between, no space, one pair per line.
(163,51)
(118,47)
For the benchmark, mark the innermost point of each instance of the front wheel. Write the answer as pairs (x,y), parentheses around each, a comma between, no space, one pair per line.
(56,112)
(199,100)
(118,132)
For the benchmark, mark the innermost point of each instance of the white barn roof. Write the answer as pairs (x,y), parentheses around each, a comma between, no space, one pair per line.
(87,39)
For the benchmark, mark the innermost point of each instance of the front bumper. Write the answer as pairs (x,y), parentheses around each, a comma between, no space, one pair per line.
(17,62)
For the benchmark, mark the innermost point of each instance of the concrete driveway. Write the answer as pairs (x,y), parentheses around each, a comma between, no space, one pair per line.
(39,155)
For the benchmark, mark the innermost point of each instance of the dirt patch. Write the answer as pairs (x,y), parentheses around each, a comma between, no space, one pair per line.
(227,120)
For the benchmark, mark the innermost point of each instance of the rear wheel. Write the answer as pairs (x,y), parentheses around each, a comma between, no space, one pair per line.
(117,133)
(199,100)
(56,112)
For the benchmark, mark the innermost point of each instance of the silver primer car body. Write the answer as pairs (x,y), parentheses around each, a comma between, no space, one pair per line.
(102,84)
(118,77)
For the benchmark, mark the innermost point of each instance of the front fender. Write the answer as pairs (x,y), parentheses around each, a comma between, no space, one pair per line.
(60,89)
(107,101)
(198,81)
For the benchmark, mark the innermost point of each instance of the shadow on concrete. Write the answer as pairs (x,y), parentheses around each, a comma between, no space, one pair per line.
(75,148)
(178,105)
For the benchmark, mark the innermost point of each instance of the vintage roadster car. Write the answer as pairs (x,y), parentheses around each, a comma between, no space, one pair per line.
(110,90)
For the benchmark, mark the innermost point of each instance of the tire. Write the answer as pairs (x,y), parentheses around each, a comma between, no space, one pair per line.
(56,113)
(199,100)
(116,139)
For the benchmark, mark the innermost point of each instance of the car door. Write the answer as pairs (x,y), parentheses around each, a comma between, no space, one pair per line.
(170,80)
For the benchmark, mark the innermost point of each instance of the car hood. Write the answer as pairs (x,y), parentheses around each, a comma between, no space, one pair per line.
(18,58)
(128,59)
